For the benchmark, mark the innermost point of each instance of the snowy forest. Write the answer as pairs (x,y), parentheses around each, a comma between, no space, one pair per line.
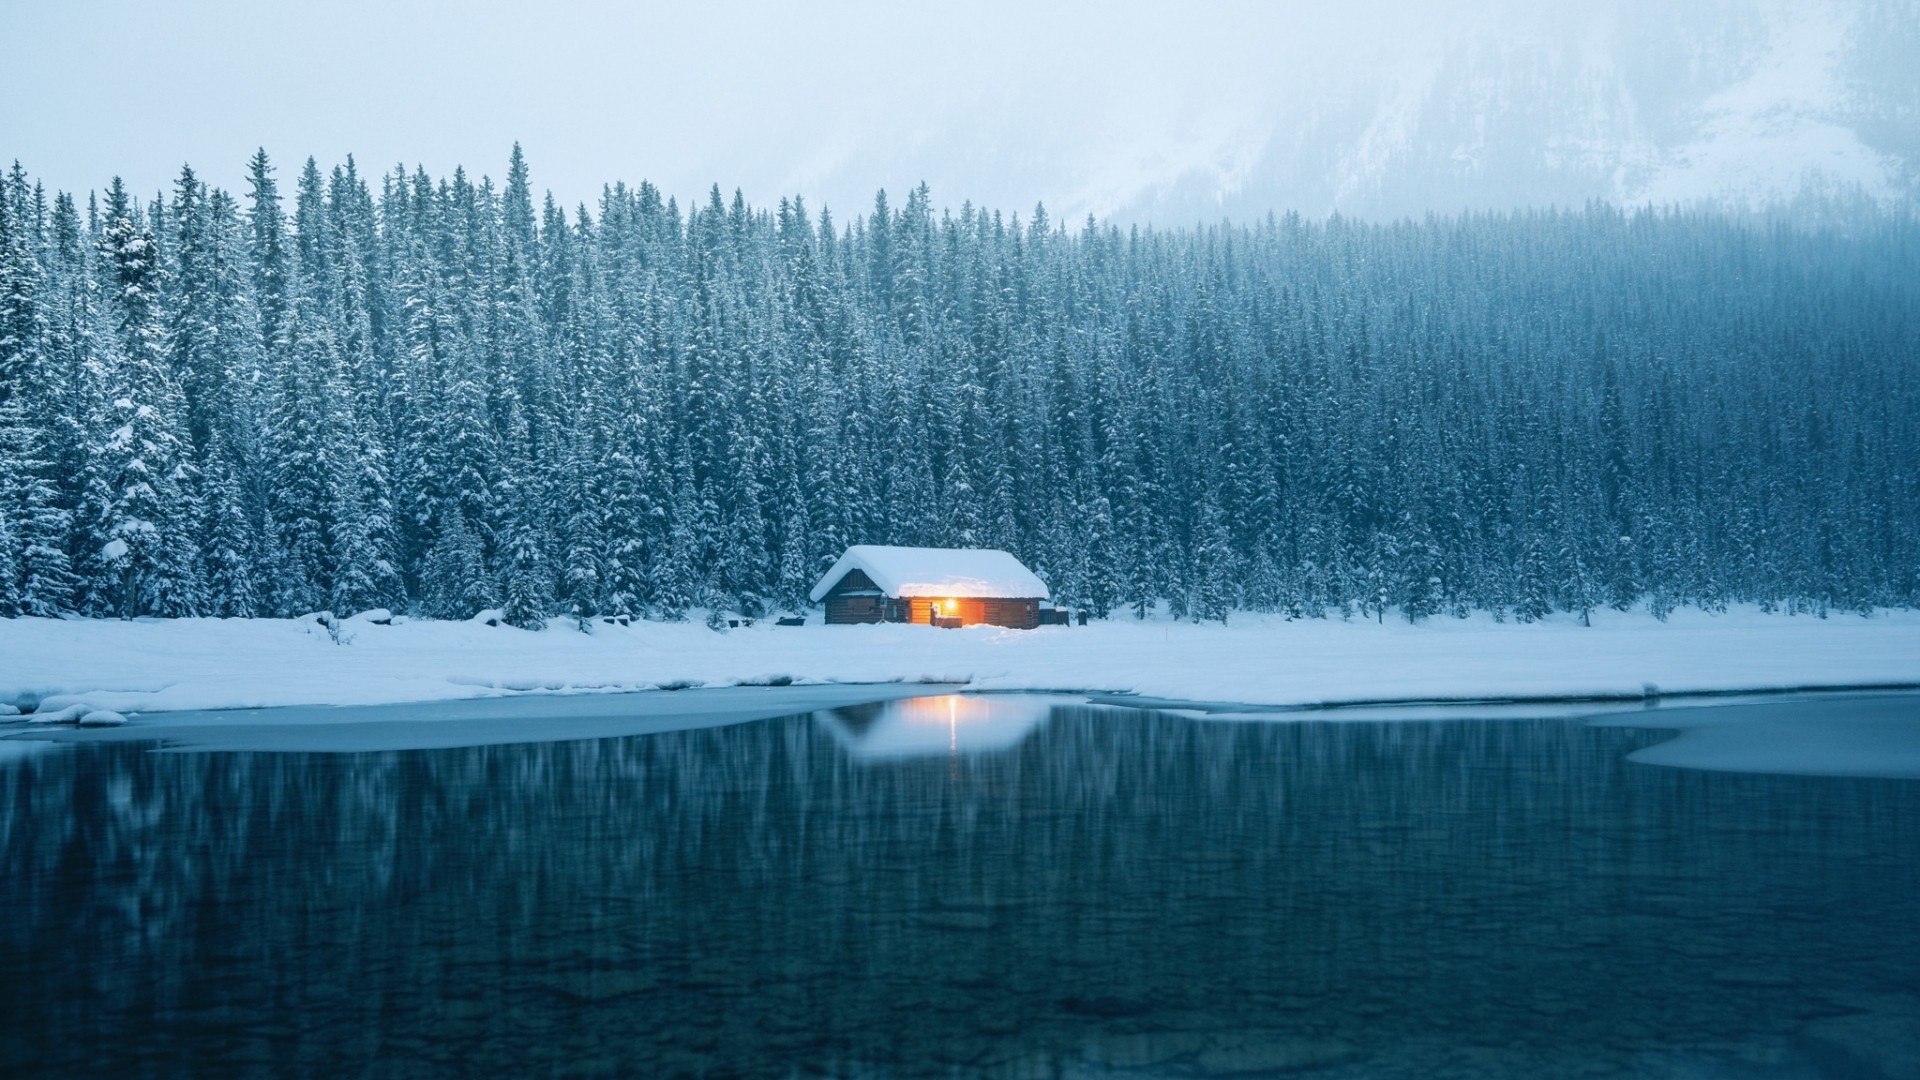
(442,396)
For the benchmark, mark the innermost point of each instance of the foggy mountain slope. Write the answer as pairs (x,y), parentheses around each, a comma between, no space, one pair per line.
(1745,108)
(1130,110)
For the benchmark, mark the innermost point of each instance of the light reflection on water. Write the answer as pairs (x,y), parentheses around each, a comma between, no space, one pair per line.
(947,724)
(994,886)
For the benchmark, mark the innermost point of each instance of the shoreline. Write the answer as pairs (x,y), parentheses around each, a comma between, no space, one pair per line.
(1258,664)
(1678,697)
(1742,734)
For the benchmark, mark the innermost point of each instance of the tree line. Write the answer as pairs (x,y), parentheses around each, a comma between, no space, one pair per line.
(443,396)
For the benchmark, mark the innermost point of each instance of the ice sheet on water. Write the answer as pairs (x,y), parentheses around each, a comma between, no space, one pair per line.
(16,749)
(478,722)
(1823,735)
(1383,712)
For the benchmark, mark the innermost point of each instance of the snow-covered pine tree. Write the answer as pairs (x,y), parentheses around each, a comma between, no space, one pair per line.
(307,448)
(454,580)
(527,578)
(796,571)
(1212,592)
(676,578)
(38,577)
(744,563)
(146,550)
(23,314)
(581,576)
(1069,395)
(230,541)
(1102,589)
(268,247)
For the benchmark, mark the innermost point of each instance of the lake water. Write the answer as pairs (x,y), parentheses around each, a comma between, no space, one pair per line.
(960,886)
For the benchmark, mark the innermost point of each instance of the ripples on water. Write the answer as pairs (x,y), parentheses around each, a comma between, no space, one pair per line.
(995,887)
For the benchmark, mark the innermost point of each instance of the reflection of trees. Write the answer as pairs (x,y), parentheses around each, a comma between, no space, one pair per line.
(735,897)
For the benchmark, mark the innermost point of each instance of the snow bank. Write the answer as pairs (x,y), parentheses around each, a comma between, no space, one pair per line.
(147,666)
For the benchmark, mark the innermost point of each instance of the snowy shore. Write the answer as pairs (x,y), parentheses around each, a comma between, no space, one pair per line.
(146,666)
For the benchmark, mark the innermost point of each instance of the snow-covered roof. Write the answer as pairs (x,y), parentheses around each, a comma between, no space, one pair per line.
(917,571)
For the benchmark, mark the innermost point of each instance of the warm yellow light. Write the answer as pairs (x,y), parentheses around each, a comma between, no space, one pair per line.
(951,605)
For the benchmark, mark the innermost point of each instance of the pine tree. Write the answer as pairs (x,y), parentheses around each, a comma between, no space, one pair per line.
(676,577)
(308,473)
(379,402)
(269,244)
(230,549)
(581,575)
(23,317)
(35,571)
(36,576)
(528,592)
(743,555)
(454,581)
(1211,575)
(796,570)
(147,548)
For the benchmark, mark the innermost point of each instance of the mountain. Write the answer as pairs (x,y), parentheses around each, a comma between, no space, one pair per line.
(1741,106)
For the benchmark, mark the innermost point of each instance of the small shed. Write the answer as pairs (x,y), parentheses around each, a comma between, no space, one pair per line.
(932,586)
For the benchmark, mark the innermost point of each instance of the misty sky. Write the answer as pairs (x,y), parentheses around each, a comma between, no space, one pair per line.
(1098,107)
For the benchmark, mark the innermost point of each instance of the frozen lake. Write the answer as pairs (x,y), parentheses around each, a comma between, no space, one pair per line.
(972,886)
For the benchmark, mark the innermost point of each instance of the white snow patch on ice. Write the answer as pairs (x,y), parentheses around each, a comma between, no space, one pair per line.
(55,713)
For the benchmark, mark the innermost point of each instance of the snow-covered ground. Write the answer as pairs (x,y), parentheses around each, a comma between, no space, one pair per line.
(147,666)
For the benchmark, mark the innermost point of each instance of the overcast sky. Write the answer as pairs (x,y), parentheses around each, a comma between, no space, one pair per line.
(771,97)
(1082,105)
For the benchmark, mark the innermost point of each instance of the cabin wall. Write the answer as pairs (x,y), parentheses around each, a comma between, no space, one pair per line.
(973,611)
(1017,614)
(854,599)
(842,610)
(919,607)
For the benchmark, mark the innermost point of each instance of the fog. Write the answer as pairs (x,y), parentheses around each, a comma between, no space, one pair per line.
(1132,110)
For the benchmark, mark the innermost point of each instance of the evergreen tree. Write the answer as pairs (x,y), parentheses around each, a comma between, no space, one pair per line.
(230,550)
(442,395)
(454,582)
(269,244)
(1212,571)
(528,593)
(36,576)
(147,547)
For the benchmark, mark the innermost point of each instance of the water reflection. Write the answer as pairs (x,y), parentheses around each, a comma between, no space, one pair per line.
(948,725)
(1096,891)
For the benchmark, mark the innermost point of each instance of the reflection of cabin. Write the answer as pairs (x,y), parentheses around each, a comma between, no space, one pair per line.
(931,586)
(950,724)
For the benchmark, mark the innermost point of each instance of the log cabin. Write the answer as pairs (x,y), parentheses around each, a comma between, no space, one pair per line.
(931,586)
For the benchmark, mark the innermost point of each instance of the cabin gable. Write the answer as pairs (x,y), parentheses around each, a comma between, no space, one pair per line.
(855,599)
